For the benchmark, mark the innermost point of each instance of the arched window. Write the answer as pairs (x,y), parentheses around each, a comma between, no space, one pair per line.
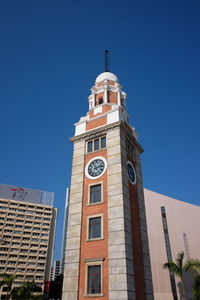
(100,100)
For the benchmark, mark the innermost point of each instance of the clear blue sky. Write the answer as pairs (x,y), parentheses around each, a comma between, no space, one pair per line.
(50,54)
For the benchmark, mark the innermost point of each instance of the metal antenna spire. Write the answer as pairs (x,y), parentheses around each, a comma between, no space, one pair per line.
(106,57)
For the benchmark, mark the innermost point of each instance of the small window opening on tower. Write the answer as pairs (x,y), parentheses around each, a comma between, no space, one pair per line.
(130,149)
(94,285)
(95,228)
(100,100)
(95,193)
(96,144)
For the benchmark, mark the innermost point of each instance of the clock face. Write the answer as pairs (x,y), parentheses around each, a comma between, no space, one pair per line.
(131,172)
(95,167)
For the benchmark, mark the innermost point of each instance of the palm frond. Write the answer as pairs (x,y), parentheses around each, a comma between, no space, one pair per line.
(172,267)
(194,264)
(196,287)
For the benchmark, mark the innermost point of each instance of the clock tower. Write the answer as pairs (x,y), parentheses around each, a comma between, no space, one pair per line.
(107,252)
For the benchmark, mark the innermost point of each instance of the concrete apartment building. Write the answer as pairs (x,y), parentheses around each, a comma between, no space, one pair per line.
(27,229)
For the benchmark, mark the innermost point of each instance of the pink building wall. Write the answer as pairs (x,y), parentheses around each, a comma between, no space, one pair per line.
(183,221)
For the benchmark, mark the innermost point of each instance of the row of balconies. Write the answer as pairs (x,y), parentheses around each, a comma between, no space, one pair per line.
(5,249)
(16,270)
(16,224)
(23,205)
(24,257)
(14,262)
(4,211)
(6,237)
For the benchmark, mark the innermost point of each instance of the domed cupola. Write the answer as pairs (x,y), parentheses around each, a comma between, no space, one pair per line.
(106,91)
(106,76)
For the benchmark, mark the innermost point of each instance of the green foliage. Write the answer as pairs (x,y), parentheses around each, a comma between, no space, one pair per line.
(7,280)
(194,265)
(196,288)
(179,268)
(26,291)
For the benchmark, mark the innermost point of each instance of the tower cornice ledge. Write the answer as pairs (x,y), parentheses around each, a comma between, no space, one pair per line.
(91,134)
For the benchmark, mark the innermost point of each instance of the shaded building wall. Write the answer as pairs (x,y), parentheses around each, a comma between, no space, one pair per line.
(183,223)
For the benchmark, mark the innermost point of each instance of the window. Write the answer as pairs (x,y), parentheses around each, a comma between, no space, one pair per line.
(28,222)
(31,206)
(89,148)
(130,149)
(3,202)
(100,100)
(94,285)
(94,228)
(35,240)
(95,194)
(47,208)
(15,243)
(16,237)
(96,144)
(103,142)
(11,262)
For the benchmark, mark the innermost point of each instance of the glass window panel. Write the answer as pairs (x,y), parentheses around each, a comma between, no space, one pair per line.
(95,193)
(96,144)
(95,228)
(89,146)
(103,142)
(94,280)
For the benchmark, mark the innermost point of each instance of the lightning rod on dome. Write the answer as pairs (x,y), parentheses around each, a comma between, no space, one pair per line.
(106,60)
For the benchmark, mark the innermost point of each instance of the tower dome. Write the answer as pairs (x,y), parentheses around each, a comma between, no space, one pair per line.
(106,76)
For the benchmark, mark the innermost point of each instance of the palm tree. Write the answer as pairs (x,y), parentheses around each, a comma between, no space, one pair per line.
(178,268)
(7,279)
(194,264)
(26,291)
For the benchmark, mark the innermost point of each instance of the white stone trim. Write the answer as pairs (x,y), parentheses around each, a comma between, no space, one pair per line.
(97,109)
(90,161)
(98,262)
(88,223)
(93,184)
(80,128)
(119,97)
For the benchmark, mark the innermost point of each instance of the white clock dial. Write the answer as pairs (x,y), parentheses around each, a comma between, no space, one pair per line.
(96,167)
